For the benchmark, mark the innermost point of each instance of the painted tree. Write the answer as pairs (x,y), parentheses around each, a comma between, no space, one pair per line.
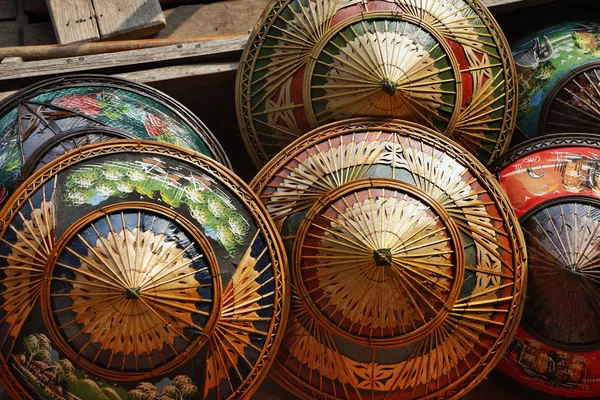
(37,347)
(143,391)
(64,373)
(182,388)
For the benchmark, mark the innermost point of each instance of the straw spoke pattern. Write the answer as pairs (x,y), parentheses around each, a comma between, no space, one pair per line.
(397,297)
(576,105)
(323,355)
(565,277)
(25,263)
(391,71)
(244,323)
(134,292)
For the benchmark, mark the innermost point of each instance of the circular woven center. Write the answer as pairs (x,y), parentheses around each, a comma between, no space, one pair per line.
(563,285)
(379,264)
(384,67)
(130,292)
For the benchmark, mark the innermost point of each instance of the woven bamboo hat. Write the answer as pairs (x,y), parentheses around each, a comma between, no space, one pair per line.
(553,182)
(444,65)
(50,118)
(408,264)
(137,269)
(556,71)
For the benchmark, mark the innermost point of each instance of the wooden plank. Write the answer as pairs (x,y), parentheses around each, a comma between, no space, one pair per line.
(178,72)
(129,19)
(155,75)
(181,53)
(240,16)
(74,20)
(37,34)
(227,17)
(9,33)
(45,52)
(39,6)
(8,9)
(8,60)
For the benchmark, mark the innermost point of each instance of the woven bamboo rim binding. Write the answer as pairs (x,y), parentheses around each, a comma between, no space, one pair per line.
(252,305)
(51,315)
(310,63)
(335,195)
(553,185)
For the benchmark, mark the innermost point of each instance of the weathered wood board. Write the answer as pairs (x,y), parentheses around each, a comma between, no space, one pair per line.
(220,18)
(240,16)
(74,20)
(39,6)
(181,53)
(129,19)
(78,21)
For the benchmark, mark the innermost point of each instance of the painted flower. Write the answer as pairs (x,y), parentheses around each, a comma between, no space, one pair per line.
(217,207)
(136,175)
(112,174)
(124,187)
(201,214)
(83,178)
(84,182)
(85,103)
(105,190)
(238,225)
(76,198)
(226,237)
(113,106)
(195,195)
(154,125)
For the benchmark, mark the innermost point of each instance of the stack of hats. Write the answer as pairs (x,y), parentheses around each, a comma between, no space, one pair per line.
(374,256)
(134,263)
(407,262)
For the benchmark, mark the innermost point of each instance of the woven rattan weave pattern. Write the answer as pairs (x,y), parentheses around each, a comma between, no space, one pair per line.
(553,183)
(445,65)
(408,264)
(138,263)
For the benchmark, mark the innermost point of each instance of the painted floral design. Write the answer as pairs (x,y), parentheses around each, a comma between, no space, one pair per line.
(128,111)
(209,206)
(75,107)
(154,125)
(85,103)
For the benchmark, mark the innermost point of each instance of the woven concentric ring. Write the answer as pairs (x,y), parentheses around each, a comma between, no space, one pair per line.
(445,65)
(408,264)
(146,269)
(553,182)
(389,241)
